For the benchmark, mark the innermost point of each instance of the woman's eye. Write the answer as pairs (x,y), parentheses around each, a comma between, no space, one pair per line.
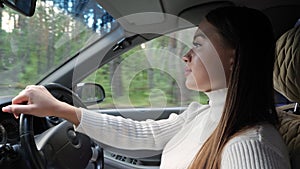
(196,44)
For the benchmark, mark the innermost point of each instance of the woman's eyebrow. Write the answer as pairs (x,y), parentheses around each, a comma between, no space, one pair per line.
(200,34)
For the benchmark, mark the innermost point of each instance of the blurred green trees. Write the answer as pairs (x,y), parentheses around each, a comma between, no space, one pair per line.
(149,75)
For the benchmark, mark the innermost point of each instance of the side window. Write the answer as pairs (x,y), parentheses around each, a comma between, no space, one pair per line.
(149,75)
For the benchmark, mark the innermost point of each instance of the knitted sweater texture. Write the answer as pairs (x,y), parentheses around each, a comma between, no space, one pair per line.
(181,136)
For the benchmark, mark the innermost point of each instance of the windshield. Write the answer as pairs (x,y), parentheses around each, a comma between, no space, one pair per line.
(31,47)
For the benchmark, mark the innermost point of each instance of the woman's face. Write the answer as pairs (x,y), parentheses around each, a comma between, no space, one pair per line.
(209,62)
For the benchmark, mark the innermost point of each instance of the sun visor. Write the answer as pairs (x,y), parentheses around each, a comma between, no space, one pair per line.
(154,16)
(153,23)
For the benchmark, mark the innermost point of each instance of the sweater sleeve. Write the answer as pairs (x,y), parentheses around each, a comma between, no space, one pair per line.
(252,154)
(129,134)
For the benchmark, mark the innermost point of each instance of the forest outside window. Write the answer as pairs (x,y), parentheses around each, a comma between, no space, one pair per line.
(31,47)
(149,75)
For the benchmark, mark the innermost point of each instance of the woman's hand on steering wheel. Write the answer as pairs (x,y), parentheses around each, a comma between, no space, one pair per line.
(38,101)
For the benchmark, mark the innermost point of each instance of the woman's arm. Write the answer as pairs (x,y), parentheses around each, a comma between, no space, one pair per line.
(129,134)
(114,131)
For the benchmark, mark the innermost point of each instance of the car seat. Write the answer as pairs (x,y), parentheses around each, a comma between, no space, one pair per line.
(287,82)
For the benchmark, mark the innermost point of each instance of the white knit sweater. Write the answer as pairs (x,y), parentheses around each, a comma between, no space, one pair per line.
(181,136)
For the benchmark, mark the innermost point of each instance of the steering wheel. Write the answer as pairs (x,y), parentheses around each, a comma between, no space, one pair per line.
(60,146)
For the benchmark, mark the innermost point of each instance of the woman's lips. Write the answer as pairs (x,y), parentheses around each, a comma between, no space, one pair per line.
(187,71)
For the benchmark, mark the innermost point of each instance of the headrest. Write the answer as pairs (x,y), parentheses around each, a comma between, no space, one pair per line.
(287,65)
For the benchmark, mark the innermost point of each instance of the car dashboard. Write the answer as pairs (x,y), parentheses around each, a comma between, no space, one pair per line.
(9,129)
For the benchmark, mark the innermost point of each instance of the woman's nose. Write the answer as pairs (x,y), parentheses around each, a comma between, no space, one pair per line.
(188,56)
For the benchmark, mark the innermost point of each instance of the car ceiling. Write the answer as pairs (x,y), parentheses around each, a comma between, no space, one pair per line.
(283,13)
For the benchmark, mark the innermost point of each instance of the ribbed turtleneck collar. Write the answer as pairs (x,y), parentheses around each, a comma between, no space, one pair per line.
(217,96)
(216,102)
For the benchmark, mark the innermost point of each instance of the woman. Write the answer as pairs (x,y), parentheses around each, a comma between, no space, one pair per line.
(236,129)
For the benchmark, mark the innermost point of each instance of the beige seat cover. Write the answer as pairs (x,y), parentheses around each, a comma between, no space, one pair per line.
(287,82)
(287,65)
(290,131)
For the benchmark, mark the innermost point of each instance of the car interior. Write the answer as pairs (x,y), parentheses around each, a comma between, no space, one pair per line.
(52,142)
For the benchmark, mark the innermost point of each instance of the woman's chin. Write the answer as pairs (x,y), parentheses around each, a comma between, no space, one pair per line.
(193,86)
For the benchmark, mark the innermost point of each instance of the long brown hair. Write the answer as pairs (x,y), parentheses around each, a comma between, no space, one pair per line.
(250,90)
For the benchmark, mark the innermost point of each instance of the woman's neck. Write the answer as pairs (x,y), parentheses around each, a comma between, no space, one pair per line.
(217,100)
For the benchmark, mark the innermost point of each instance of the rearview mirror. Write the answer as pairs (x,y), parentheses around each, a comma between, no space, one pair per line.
(90,93)
(25,7)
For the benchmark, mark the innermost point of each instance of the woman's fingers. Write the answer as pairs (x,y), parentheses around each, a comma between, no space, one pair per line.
(38,101)
(22,98)
(17,109)
(18,106)
(29,101)
(9,110)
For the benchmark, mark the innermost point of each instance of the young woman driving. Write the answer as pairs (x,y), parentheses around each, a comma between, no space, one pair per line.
(237,129)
